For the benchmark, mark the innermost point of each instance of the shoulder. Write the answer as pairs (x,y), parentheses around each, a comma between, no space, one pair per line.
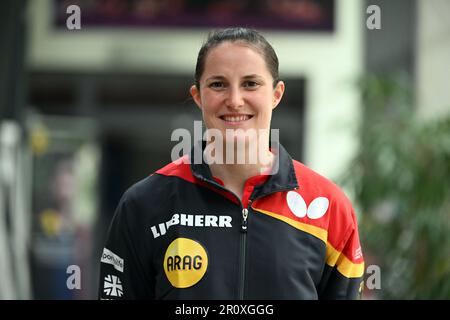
(314,187)
(159,182)
(315,183)
(149,195)
(330,209)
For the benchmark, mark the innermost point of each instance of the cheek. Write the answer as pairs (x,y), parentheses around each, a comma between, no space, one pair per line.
(210,103)
(263,102)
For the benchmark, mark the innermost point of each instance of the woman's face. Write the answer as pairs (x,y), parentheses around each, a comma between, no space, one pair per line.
(236,89)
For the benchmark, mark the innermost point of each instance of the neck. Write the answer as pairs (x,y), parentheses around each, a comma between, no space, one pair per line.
(237,170)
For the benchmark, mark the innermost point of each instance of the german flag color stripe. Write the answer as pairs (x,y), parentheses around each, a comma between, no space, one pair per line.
(322,234)
(333,257)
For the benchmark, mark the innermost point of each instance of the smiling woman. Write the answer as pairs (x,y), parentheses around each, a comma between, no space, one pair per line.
(289,234)
(237,87)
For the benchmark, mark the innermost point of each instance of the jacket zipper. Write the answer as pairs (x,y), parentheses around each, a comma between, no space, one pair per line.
(243,240)
(243,250)
(243,237)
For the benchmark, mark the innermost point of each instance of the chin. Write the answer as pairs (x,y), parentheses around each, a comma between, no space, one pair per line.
(240,140)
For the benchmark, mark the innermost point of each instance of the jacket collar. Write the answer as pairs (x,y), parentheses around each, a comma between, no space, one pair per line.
(284,177)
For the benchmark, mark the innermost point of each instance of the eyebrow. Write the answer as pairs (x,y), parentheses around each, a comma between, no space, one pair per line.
(219,77)
(252,76)
(215,78)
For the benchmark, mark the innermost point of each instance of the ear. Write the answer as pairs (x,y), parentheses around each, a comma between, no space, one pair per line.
(278,94)
(195,93)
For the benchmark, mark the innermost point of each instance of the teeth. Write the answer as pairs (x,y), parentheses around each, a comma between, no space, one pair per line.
(236,118)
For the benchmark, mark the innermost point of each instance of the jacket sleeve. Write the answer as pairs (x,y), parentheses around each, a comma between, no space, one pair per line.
(124,273)
(343,273)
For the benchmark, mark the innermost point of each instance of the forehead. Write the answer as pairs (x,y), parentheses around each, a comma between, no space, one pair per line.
(235,58)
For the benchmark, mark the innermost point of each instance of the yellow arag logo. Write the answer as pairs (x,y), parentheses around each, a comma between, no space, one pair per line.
(185,262)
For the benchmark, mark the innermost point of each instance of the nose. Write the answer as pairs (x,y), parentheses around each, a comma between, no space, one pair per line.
(234,99)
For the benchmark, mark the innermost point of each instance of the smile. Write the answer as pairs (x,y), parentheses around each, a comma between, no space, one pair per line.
(236,118)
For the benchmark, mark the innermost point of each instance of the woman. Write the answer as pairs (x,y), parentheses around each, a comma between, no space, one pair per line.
(220,228)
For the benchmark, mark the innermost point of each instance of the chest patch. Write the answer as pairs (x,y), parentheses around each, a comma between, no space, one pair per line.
(185,262)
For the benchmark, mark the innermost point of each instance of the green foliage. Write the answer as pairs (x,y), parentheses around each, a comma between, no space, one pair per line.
(401,180)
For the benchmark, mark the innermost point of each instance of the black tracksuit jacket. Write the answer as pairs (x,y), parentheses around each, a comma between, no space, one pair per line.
(179,234)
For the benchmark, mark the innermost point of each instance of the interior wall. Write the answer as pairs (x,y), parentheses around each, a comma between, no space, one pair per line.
(391,48)
(433,56)
(330,62)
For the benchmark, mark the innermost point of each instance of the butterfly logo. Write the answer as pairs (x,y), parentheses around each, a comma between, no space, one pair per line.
(316,209)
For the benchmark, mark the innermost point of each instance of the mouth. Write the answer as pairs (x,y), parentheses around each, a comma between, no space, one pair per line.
(236,118)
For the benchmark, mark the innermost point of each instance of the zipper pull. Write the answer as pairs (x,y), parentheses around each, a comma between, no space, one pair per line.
(244,220)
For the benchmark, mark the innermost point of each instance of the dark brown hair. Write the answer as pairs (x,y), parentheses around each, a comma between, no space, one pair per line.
(247,36)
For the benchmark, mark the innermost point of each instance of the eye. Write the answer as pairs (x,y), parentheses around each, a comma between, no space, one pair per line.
(216,85)
(251,84)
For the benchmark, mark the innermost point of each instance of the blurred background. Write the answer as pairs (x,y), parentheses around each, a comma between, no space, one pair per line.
(86,112)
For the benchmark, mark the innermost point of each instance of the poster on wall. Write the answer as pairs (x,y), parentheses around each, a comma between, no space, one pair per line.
(64,207)
(295,15)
